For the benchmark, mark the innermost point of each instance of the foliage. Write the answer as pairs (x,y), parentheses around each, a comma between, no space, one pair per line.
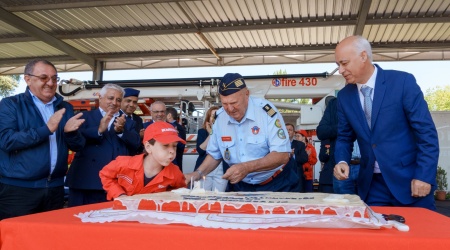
(438,98)
(8,84)
(441,179)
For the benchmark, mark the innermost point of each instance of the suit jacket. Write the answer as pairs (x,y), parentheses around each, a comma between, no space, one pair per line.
(327,134)
(98,151)
(180,146)
(403,139)
(301,157)
(138,125)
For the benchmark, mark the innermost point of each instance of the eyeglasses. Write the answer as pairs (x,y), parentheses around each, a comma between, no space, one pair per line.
(45,78)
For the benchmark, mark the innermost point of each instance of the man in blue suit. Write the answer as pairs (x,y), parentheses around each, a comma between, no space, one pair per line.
(108,134)
(393,126)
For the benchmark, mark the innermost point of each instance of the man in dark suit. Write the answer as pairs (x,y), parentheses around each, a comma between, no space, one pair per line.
(298,153)
(386,112)
(172,118)
(108,134)
(128,106)
(327,134)
(158,112)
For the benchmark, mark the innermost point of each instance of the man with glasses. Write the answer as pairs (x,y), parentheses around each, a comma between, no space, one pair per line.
(37,129)
(158,112)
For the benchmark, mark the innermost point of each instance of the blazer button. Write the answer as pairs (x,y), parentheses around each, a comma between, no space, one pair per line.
(374,146)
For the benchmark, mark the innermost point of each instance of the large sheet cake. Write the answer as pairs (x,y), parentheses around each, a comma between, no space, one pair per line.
(184,200)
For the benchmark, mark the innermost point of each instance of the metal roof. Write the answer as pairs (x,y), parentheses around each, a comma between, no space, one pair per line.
(79,35)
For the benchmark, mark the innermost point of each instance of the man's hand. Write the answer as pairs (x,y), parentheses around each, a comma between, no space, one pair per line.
(54,120)
(141,133)
(104,122)
(195,176)
(119,124)
(236,173)
(341,171)
(419,188)
(74,123)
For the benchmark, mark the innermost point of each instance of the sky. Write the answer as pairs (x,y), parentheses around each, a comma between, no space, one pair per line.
(429,74)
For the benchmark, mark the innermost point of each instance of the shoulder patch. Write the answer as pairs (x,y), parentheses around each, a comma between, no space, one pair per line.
(281,134)
(269,110)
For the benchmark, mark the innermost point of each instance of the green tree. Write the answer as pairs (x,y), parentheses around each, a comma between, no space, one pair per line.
(8,84)
(438,98)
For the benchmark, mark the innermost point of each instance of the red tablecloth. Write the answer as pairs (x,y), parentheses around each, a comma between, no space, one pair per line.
(62,230)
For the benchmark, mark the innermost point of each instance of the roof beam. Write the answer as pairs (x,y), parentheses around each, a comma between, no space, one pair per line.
(82,4)
(151,31)
(41,35)
(133,56)
(362,17)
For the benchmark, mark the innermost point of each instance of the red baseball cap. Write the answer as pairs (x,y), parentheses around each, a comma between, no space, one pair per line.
(162,132)
(302,132)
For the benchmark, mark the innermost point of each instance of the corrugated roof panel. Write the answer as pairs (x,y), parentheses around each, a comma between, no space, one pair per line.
(241,39)
(211,14)
(417,8)
(250,8)
(259,41)
(262,14)
(200,13)
(443,34)
(289,9)
(275,10)
(252,40)
(6,29)
(231,40)
(28,49)
(441,7)
(290,36)
(214,39)
(91,18)
(269,37)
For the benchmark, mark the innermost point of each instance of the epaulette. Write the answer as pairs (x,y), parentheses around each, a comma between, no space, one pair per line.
(269,110)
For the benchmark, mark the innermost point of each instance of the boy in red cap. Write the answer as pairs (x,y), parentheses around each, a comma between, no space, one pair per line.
(150,172)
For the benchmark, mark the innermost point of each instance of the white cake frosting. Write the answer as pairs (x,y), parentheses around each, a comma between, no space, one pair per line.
(299,203)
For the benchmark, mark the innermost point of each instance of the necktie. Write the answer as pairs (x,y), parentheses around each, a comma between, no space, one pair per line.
(367,92)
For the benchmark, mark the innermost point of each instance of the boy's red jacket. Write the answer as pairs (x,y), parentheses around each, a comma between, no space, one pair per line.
(312,160)
(125,175)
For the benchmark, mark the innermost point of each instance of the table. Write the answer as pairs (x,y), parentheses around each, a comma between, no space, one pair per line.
(61,230)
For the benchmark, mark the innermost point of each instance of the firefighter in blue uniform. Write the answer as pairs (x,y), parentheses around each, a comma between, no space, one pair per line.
(249,134)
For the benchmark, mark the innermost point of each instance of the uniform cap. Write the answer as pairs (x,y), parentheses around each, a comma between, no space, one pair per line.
(131,92)
(231,83)
(162,132)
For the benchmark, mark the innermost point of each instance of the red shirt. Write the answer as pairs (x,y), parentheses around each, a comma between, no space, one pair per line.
(125,175)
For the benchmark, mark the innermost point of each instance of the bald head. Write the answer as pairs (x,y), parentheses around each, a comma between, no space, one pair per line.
(354,57)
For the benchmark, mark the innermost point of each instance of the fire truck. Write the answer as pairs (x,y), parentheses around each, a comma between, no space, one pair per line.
(193,96)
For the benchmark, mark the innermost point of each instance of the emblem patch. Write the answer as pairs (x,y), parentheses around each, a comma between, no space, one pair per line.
(281,134)
(278,123)
(255,130)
